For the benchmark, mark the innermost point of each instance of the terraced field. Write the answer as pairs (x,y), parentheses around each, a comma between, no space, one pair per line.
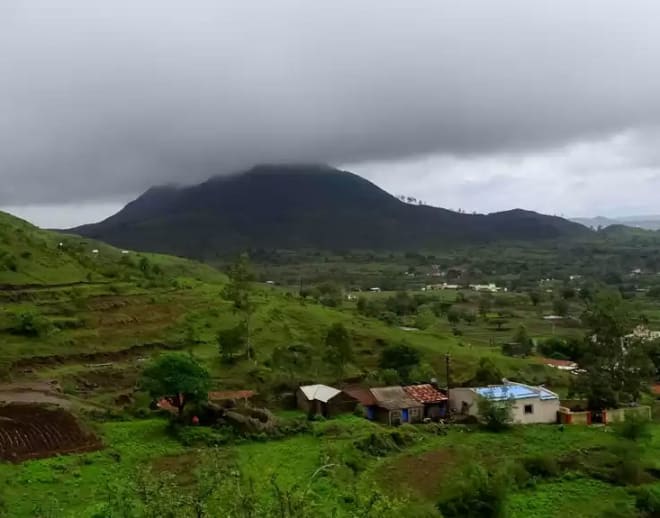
(29,431)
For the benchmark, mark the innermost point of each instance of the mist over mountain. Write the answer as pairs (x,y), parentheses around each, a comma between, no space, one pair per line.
(304,206)
(647,222)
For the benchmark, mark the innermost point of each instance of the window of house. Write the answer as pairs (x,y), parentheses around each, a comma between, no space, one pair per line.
(529,409)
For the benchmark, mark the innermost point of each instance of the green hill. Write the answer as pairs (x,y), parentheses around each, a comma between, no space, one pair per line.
(301,207)
(32,256)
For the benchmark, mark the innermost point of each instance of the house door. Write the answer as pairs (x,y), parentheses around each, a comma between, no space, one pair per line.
(404,415)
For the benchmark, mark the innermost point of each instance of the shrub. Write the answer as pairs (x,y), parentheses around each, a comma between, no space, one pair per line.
(541,466)
(495,415)
(30,323)
(647,501)
(634,428)
(479,494)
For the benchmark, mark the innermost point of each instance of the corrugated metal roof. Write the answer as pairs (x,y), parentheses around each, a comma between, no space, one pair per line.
(514,391)
(425,393)
(322,393)
(393,398)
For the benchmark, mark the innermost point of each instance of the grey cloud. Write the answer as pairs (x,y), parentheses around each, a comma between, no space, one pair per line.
(103,98)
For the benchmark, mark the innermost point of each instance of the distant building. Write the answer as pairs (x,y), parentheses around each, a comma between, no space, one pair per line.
(562,365)
(529,404)
(644,334)
(491,288)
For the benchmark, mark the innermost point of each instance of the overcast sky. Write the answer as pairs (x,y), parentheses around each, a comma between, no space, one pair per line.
(547,105)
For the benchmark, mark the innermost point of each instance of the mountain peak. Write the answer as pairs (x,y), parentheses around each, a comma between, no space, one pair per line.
(293,206)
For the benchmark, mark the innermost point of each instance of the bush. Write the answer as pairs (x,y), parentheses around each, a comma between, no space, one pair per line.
(380,444)
(30,323)
(495,415)
(647,501)
(634,428)
(479,494)
(541,466)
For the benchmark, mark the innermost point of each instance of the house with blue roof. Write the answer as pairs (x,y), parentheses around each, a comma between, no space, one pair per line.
(529,404)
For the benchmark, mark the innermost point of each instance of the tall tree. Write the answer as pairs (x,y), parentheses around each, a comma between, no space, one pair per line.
(177,377)
(232,340)
(239,292)
(618,366)
(338,347)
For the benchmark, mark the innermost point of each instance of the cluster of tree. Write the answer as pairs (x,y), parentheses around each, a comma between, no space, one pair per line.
(618,367)
(327,293)
(521,344)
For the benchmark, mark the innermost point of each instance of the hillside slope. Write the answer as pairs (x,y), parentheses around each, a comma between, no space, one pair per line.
(32,256)
(295,207)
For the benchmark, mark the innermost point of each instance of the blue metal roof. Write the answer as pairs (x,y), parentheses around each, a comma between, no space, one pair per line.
(512,391)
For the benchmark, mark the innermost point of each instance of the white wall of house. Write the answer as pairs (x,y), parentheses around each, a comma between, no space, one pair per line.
(524,411)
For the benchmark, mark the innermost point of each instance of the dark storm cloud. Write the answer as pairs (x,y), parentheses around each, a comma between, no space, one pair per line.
(100,99)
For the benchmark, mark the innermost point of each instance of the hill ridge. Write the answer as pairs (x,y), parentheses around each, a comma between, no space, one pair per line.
(304,206)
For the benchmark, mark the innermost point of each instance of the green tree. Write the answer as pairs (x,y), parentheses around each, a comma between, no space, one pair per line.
(618,367)
(454,316)
(425,317)
(401,358)
(239,292)
(487,373)
(338,347)
(292,359)
(232,340)
(495,416)
(560,307)
(178,377)
(535,297)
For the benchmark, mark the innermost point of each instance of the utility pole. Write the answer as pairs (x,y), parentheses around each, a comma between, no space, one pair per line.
(448,374)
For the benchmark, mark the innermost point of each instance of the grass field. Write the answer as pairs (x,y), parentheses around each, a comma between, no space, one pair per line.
(422,473)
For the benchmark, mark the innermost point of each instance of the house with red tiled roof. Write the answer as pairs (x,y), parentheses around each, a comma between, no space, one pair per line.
(435,402)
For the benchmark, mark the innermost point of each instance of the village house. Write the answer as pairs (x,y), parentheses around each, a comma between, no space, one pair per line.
(324,400)
(394,406)
(435,402)
(365,399)
(529,404)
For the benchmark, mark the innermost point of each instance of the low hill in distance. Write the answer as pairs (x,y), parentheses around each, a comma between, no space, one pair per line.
(650,222)
(30,256)
(303,207)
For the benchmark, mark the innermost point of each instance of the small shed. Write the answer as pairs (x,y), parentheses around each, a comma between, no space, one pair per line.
(365,399)
(324,400)
(395,406)
(435,402)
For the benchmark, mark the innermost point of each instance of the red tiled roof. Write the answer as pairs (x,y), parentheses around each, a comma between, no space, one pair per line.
(558,363)
(231,394)
(362,395)
(655,389)
(425,393)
